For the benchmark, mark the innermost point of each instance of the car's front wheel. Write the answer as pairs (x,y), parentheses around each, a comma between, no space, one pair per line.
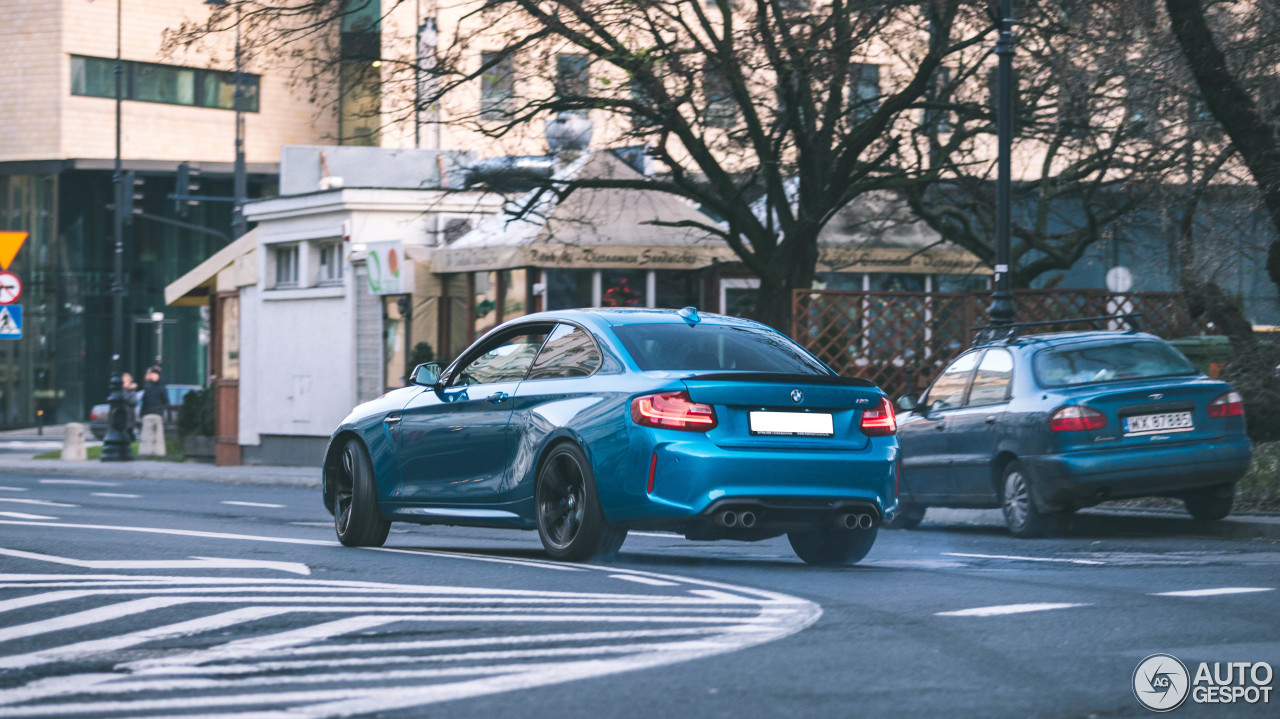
(356,517)
(571,524)
(1211,503)
(1021,515)
(829,547)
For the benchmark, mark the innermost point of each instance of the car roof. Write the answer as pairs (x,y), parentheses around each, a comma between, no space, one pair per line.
(614,316)
(1062,338)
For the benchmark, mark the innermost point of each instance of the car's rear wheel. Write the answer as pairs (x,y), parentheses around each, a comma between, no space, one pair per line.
(909,516)
(1211,503)
(1021,515)
(356,517)
(571,524)
(829,547)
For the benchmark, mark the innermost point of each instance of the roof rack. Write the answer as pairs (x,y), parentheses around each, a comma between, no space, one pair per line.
(998,333)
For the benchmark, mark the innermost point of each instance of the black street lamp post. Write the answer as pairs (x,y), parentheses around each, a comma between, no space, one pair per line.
(115,446)
(1001,311)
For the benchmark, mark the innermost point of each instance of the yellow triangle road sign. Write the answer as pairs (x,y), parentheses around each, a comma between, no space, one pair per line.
(10,243)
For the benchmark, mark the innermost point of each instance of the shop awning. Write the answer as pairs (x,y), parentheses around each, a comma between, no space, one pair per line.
(195,287)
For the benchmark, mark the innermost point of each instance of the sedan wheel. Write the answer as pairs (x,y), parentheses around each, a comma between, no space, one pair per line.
(1211,503)
(571,524)
(1020,512)
(356,517)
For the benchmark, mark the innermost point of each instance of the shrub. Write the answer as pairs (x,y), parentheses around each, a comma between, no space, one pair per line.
(195,418)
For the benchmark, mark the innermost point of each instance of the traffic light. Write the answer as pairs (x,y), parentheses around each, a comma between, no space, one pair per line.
(132,195)
(186,185)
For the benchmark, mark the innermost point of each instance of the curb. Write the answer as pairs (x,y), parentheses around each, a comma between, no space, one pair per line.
(147,469)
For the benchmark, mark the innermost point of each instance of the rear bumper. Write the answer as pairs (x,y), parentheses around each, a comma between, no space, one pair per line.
(693,476)
(1084,478)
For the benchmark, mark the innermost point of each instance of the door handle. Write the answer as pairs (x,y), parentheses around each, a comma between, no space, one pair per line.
(497,397)
(990,420)
(391,419)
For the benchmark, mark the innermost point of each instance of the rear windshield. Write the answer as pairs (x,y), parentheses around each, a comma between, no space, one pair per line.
(1114,361)
(681,347)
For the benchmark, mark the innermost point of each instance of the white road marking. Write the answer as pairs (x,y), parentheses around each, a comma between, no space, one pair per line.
(24,515)
(254,504)
(81,482)
(1007,609)
(13,489)
(1015,557)
(643,580)
(116,494)
(1213,592)
(663,535)
(192,563)
(40,502)
(312,524)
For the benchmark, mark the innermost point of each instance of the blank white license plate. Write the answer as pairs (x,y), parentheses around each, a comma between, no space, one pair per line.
(1158,423)
(792,424)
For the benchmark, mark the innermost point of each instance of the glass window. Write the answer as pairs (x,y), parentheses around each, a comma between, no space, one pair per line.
(485,302)
(219,90)
(681,347)
(497,86)
(896,282)
(568,289)
(568,352)
(162,83)
(286,265)
(572,78)
(948,390)
(623,288)
(1109,362)
(330,263)
(93,77)
(677,288)
(721,110)
(864,89)
(166,84)
(506,360)
(992,380)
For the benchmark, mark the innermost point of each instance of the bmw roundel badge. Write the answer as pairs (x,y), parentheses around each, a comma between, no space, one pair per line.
(797,396)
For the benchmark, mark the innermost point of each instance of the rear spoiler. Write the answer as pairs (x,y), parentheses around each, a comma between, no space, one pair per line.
(783,378)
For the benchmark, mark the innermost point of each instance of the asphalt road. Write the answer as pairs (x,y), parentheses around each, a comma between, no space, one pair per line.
(154,598)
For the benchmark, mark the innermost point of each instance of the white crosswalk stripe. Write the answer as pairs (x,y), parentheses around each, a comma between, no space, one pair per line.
(317,648)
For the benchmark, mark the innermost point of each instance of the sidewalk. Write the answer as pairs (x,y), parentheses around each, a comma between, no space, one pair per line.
(152,469)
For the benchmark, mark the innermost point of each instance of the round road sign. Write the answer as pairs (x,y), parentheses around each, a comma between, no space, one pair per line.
(1119,279)
(10,288)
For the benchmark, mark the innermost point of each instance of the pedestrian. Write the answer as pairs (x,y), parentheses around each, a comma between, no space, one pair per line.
(155,397)
(129,389)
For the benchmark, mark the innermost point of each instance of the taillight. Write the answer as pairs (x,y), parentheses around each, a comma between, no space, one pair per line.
(881,421)
(1230,404)
(1074,418)
(673,410)
(93,415)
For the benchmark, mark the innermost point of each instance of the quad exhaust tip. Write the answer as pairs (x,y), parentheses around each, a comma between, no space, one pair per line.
(729,518)
(857,521)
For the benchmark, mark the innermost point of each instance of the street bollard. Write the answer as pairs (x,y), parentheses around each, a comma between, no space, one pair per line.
(151,442)
(73,443)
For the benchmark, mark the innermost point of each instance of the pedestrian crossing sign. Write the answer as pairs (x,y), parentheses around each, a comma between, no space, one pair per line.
(10,322)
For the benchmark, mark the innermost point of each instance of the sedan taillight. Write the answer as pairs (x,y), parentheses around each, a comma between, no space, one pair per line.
(1074,418)
(673,410)
(1230,404)
(881,421)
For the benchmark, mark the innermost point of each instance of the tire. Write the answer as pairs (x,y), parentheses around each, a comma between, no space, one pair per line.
(829,547)
(1020,513)
(571,524)
(356,517)
(1211,503)
(909,516)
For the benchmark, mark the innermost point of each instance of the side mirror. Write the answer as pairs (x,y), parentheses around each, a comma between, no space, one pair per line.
(426,375)
(907,403)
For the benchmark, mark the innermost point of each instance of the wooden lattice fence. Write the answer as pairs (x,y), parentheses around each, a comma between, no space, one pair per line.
(901,340)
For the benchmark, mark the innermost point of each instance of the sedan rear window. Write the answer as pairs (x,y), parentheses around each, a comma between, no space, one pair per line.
(1110,362)
(682,347)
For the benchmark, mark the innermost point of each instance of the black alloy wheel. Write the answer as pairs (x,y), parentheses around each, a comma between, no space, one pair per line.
(356,517)
(571,524)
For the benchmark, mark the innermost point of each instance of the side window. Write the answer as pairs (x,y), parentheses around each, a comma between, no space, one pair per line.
(506,360)
(568,352)
(992,380)
(948,389)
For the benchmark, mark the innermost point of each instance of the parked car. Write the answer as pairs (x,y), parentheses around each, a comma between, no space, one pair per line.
(1042,425)
(99,415)
(585,424)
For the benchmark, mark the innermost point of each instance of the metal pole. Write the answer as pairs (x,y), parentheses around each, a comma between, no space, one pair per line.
(241,189)
(115,446)
(1001,311)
